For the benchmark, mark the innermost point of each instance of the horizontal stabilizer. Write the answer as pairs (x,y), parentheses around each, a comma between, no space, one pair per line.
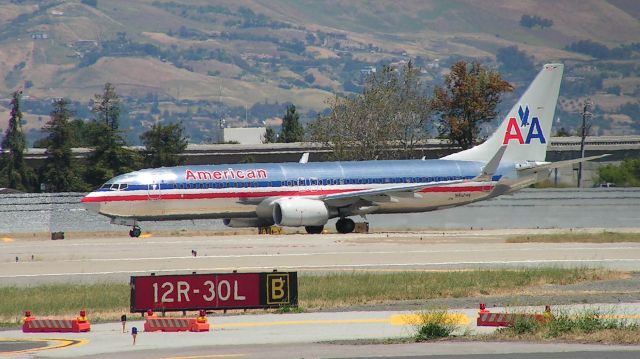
(559,164)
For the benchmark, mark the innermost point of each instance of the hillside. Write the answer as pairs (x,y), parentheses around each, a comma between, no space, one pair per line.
(228,59)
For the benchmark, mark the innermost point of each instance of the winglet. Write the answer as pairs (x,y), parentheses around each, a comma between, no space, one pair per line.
(304,158)
(492,166)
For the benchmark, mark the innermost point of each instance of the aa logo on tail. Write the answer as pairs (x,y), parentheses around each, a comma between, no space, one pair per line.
(515,133)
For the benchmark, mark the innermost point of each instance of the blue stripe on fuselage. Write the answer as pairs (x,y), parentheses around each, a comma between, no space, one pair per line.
(313,174)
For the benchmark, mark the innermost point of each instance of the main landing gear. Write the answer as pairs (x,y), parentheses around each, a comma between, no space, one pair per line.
(314,229)
(345,225)
(135,232)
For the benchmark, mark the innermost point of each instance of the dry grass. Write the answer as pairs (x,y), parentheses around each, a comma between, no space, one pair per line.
(584,327)
(349,289)
(601,237)
(627,336)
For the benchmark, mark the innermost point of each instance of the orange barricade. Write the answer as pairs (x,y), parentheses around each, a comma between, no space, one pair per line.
(488,319)
(200,324)
(34,325)
(167,324)
(155,324)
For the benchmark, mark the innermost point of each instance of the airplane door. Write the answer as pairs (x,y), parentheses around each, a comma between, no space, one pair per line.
(153,190)
(488,186)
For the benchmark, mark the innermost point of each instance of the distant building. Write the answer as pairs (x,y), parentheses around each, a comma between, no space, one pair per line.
(40,36)
(84,44)
(368,70)
(244,135)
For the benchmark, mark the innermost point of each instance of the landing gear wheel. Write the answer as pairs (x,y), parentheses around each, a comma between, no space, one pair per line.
(314,229)
(135,232)
(345,225)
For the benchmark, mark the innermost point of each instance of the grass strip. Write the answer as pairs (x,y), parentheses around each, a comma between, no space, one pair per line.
(347,289)
(107,301)
(587,326)
(601,237)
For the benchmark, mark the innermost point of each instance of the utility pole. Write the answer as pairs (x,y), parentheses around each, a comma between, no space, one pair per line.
(586,116)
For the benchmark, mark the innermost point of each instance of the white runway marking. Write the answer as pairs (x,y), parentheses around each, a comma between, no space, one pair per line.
(336,266)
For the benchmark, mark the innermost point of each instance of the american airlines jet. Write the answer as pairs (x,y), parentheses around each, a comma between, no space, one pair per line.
(309,194)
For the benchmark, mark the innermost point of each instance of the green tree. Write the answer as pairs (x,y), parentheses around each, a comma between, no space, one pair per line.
(467,100)
(625,174)
(269,136)
(387,121)
(292,130)
(515,60)
(109,157)
(81,134)
(164,145)
(61,173)
(106,107)
(14,173)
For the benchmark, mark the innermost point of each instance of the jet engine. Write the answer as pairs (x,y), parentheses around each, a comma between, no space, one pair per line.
(296,212)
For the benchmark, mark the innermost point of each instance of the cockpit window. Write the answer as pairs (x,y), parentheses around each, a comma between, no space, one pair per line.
(115,186)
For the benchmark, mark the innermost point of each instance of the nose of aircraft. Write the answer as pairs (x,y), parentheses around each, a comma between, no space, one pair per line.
(90,203)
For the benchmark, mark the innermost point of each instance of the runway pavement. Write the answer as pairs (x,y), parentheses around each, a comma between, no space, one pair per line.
(100,259)
(293,335)
(298,335)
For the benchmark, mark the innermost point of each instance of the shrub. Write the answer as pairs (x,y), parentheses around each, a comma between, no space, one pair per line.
(434,324)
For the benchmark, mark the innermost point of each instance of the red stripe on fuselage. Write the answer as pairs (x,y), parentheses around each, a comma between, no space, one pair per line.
(215,195)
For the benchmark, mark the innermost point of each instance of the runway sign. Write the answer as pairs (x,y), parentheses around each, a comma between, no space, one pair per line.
(214,291)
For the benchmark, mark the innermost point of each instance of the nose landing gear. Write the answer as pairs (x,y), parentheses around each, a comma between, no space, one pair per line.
(135,232)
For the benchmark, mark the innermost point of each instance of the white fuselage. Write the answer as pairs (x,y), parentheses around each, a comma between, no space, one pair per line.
(239,191)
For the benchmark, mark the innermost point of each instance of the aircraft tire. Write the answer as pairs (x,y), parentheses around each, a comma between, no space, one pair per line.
(135,232)
(314,229)
(345,225)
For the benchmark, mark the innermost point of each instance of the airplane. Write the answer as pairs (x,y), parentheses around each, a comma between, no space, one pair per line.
(308,194)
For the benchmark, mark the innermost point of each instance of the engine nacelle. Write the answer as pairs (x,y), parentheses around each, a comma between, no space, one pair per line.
(244,222)
(296,212)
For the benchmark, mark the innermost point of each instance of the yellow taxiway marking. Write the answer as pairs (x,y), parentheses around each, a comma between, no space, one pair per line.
(400,319)
(7,239)
(62,343)
(416,319)
(146,235)
(209,356)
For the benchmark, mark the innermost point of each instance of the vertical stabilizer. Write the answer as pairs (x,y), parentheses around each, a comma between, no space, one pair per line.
(526,130)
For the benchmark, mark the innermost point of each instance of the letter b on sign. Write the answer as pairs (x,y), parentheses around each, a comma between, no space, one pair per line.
(278,288)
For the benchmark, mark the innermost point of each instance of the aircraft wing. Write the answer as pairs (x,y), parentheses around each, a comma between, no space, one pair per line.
(386,194)
(552,165)
(391,193)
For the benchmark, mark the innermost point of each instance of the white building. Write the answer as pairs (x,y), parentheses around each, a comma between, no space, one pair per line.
(244,135)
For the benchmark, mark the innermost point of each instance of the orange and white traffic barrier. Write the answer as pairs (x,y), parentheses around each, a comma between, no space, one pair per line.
(201,323)
(488,319)
(35,325)
(155,324)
